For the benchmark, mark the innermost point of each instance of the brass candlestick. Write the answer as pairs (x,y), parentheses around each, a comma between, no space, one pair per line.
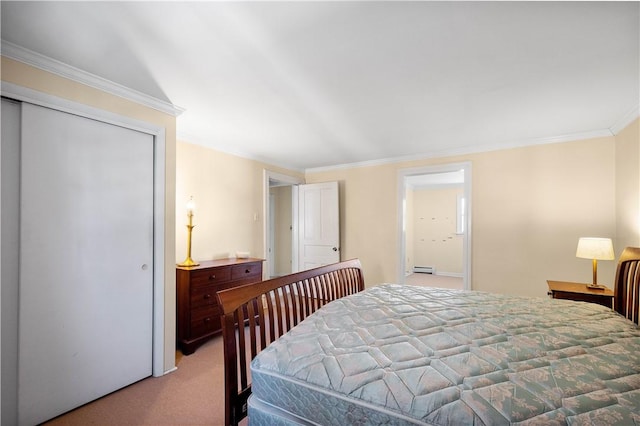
(189,261)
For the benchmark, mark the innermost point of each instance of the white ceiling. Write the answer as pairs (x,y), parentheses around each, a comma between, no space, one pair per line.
(317,84)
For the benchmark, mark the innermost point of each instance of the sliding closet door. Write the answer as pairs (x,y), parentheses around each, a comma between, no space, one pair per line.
(86,261)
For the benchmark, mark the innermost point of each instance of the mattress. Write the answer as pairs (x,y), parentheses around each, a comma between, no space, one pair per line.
(397,354)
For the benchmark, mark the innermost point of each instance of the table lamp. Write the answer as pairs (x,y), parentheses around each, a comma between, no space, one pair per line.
(595,249)
(188,261)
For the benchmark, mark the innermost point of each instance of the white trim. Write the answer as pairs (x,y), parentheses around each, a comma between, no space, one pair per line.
(466,242)
(29,57)
(460,214)
(450,274)
(45,100)
(25,94)
(171,370)
(295,224)
(624,121)
(435,186)
(291,180)
(467,150)
(159,166)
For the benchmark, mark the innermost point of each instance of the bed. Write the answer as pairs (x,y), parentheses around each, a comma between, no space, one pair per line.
(408,355)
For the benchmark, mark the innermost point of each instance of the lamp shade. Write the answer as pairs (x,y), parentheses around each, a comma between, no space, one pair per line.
(595,248)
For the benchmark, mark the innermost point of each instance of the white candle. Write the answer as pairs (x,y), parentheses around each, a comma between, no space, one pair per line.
(191,206)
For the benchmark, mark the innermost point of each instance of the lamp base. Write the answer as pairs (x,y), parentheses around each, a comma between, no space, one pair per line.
(596,287)
(188,262)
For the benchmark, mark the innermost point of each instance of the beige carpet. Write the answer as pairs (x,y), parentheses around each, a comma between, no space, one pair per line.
(429,280)
(191,395)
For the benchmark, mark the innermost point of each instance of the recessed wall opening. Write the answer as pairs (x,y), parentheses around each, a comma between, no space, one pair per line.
(279,224)
(434,232)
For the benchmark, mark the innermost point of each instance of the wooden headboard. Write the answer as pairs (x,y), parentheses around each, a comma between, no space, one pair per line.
(269,309)
(627,284)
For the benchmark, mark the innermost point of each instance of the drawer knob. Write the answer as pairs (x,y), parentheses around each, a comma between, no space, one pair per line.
(207,296)
(207,320)
(247,271)
(212,277)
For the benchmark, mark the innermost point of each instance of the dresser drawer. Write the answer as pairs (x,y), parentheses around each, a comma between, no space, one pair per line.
(210,276)
(204,295)
(204,321)
(247,270)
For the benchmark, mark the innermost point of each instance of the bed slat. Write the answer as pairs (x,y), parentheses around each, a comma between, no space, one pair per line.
(266,311)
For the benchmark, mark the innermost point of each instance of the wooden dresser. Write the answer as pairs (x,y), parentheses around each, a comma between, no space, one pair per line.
(198,314)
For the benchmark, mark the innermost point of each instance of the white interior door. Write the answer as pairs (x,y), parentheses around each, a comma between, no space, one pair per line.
(318,225)
(86,261)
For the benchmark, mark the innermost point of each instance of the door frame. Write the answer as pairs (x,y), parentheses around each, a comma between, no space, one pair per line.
(159,188)
(403,174)
(269,175)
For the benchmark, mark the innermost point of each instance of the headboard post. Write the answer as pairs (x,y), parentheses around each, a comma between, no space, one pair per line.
(627,284)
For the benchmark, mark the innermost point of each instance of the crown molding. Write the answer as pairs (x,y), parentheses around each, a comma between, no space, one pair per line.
(29,57)
(468,150)
(184,137)
(625,120)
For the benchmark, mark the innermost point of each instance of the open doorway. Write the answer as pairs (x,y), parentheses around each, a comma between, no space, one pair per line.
(435,226)
(279,223)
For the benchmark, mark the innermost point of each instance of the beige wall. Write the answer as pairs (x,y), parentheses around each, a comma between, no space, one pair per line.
(529,207)
(228,192)
(33,78)
(368,218)
(435,242)
(628,187)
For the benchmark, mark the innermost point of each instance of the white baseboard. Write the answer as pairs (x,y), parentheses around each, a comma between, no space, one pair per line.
(450,274)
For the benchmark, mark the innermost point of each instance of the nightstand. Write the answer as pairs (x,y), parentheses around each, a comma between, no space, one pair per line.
(580,292)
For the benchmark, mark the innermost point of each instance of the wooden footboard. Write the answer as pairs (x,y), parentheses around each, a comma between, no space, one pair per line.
(268,310)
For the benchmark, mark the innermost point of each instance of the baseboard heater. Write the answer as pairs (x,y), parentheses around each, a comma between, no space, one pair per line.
(424,269)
